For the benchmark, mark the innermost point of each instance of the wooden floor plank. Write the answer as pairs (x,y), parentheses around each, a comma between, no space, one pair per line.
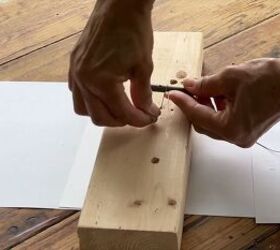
(16,225)
(224,233)
(62,236)
(26,26)
(270,243)
(261,41)
(217,19)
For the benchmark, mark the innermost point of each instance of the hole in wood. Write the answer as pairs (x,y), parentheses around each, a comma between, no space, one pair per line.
(172,202)
(138,203)
(155,160)
(173,81)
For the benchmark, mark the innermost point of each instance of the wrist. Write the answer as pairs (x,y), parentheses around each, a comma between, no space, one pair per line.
(274,68)
(124,6)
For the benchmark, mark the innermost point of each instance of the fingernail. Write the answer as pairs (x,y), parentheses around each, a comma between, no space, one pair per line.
(154,111)
(154,119)
(188,83)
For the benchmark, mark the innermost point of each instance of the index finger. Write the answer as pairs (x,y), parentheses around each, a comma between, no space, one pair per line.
(116,101)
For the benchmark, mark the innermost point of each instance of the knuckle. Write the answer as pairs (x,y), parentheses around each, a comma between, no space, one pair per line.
(273,64)
(230,72)
(245,143)
(229,133)
(78,110)
(197,129)
(97,121)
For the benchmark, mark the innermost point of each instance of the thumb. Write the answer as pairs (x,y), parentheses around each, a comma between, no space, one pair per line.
(207,86)
(199,114)
(141,92)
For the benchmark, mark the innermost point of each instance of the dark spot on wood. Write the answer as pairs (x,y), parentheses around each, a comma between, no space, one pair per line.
(155,160)
(13,230)
(138,203)
(275,52)
(181,74)
(230,237)
(173,81)
(156,210)
(172,202)
(172,109)
(32,221)
(232,63)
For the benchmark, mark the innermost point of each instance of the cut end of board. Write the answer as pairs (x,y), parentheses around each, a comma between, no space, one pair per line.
(137,193)
(123,239)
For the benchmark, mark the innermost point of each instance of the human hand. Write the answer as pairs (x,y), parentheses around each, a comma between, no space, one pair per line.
(247,97)
(115,46)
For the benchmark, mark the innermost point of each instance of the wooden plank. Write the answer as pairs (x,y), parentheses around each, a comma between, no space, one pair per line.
(18,225)
(260,41)
(61,236)
(134,202)
(271,242)
(28,25)
(22,32)
(48,64)
(217,19)
(224,233)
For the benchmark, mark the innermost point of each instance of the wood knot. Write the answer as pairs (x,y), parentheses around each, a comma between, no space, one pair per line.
(13,230)
(155,160)
(181,74)
(32,220)
(172,202)
(173,81)
(138,203)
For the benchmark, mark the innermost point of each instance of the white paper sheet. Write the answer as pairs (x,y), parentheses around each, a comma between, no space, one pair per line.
(47,155)
(271,139)
(79,177)
(39,138)
(220,180)
(266,168)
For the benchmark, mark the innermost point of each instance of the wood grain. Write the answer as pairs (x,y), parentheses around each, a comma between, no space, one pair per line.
(217,19)
(17,225)
(224,233)
(61,236)
(137,193)
(28,25)
(261,41)
(52,21)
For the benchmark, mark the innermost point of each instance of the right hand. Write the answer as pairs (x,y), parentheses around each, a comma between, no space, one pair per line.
(115,46)
(247,97)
